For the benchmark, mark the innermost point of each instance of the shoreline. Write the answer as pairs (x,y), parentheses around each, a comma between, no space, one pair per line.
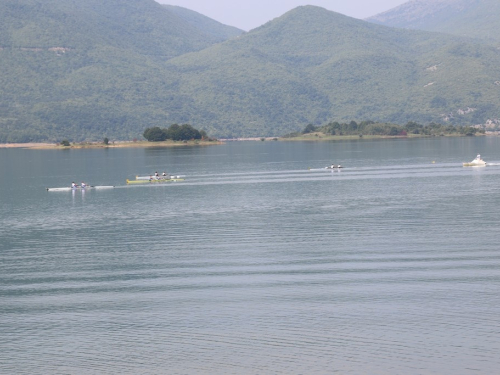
(116,144)
(25,145)
(145,144)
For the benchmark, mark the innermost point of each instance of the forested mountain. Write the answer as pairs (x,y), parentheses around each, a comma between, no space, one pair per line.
(472,18)
(142,26)
(312,65)
(204,23)
(88,69)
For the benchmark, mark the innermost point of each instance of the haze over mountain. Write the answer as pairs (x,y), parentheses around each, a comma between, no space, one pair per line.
(205,24)
(471,18)
(89,69)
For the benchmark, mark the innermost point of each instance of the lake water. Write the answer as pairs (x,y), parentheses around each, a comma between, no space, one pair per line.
(254,264)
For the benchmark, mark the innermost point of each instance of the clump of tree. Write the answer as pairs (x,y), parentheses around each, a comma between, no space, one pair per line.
(175,132)
(310,128)
(363,128)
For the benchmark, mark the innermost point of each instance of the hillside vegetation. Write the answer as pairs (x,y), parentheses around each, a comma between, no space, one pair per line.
(315,66)
(85,70)
(88,69)
(469,18)
(140,26)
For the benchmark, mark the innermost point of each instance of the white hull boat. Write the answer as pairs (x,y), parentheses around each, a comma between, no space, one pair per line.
(477,162)
(153,177)
(80,188)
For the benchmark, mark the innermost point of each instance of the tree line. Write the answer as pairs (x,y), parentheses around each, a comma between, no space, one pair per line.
(174,132)
(387,129)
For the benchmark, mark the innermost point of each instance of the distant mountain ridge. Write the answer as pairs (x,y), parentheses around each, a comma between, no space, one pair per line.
(470,18)
(415,11)
(85,70)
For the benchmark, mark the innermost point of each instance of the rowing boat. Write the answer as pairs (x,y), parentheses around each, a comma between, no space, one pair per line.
(160,181)
(327,168)
(80,188)
(157,178)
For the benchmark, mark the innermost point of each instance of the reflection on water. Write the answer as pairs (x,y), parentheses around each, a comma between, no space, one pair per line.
(254,264)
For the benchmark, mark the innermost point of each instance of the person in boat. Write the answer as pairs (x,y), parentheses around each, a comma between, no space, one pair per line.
(83,185)
(164,174)
(156,175)
(478,157)
(73,185)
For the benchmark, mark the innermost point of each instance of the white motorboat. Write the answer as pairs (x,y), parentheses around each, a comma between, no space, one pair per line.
(477,162)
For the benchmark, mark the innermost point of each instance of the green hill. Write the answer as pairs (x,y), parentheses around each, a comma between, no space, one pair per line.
(470,18)
(142,26)
(314,66)
(85,70)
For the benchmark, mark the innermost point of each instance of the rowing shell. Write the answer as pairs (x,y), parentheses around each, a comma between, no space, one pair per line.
(326,168)
(158,178)
(160,181)
(80,188)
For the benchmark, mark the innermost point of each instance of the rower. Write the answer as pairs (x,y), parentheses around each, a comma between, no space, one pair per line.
(73,185)
(83,185)
(164,174)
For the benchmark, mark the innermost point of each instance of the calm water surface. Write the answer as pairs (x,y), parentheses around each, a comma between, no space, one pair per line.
(254,264)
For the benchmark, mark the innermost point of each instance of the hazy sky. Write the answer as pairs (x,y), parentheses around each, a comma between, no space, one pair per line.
(248,14)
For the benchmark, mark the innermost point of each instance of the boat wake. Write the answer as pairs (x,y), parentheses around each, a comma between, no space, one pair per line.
(325,175)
